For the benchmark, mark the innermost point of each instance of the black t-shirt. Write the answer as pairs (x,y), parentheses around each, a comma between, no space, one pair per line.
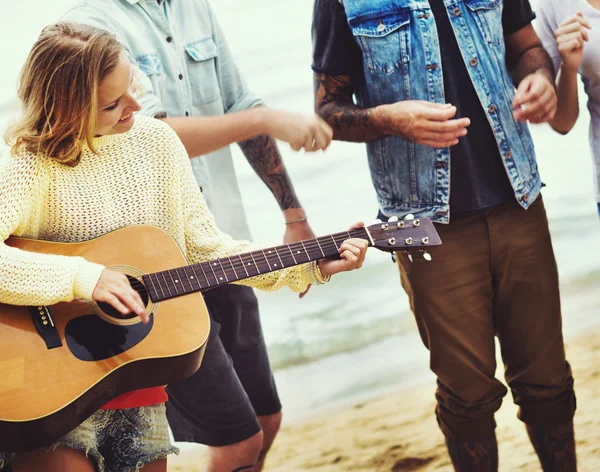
(478,179)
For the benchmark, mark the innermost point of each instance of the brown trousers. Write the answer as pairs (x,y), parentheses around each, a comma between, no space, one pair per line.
(494,275)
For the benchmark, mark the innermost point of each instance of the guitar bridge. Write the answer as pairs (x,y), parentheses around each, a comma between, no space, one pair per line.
(44,325)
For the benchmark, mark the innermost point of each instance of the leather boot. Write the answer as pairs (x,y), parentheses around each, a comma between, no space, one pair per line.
(474,456)
(555,446)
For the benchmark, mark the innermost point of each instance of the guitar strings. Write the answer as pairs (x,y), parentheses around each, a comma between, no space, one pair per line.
(307,246)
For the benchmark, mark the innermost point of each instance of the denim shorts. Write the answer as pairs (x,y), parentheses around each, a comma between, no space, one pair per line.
(119,440)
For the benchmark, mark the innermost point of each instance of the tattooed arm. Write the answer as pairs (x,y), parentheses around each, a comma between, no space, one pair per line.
(333,101)
(422,122)
(264,157)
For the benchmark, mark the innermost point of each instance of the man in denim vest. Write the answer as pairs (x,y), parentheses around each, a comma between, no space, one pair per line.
(434,82)
(190,80)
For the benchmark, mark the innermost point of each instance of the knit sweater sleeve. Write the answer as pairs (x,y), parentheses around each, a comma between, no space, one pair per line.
(204,241)
(28,278)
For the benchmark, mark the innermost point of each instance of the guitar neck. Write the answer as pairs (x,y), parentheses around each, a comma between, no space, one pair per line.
(205,275)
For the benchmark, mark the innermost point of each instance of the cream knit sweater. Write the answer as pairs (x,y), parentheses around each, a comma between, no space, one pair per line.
(140,177)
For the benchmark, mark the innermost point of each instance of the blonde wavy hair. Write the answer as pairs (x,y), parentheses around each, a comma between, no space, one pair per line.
(58,88)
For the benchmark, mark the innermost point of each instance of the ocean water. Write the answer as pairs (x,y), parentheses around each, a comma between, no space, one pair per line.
(355,335)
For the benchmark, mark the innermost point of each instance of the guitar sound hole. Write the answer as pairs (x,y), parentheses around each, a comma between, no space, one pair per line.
(139,287)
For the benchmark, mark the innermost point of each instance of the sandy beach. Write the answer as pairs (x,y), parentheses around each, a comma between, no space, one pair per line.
(397,432)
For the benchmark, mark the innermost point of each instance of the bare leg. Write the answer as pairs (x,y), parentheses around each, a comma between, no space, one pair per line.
(61,460)
(156,466)
(239,457)
(270,425)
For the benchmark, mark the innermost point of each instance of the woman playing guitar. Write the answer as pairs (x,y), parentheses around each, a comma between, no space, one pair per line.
(83,165)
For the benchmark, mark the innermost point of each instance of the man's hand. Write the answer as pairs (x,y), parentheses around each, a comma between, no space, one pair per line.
(422,122)
(571,36)
(535,100)
(310,133)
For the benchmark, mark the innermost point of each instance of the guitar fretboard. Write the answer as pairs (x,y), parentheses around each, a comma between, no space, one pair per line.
(205,275)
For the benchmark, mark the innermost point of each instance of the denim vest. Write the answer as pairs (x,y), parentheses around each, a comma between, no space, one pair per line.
(401,61)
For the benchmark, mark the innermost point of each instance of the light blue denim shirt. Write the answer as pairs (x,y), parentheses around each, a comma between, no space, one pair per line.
(187,70)
(401,61)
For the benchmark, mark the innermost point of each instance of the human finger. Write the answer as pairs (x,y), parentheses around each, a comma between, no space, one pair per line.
(537,110)
(439,113)
(444,137)
(321,140)
(358,224)
(309,139)
(350,257)
(576,35)
(572,28)
(115,302)
(449,126)
(522,92)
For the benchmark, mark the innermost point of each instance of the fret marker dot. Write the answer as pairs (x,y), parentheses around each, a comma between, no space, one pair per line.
(220,278)
(191,277)
(176,281)
(275,265)
(269,252)
(215,264)
(297,252)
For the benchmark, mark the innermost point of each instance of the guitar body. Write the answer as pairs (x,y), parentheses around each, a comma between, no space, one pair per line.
(46,392)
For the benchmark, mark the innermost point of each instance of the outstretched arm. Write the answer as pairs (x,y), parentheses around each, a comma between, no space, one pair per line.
(204,134)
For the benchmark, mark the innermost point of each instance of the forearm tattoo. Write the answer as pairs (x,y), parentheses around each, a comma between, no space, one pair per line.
(334,93)
(333,102)
(264,157)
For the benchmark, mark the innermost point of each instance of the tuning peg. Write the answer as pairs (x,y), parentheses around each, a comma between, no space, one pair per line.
(392,219)
(427,256)
(410,216)
(393,254)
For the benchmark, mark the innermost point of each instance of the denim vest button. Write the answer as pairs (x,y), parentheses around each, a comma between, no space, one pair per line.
(169,39)
(180,76)
(474,62)
(381,27)
(526,198)
(492,109)
(508,154)
(456,12)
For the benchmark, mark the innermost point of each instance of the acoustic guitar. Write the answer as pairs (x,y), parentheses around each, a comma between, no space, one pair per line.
(59,364)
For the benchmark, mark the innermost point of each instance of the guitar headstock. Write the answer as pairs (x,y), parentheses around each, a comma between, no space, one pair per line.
(398,235)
